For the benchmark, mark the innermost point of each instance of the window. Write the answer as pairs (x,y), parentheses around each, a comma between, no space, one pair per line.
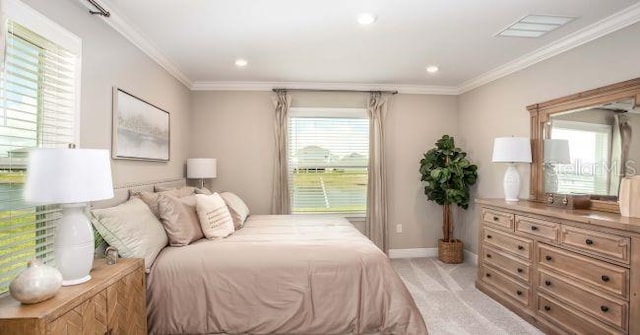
(37,109)
(328,159)
(589,145)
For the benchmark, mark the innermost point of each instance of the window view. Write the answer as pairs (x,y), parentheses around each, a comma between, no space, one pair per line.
(36,110)
(589,145)
(328,158)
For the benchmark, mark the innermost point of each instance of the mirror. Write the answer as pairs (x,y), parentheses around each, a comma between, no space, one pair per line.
(585,143)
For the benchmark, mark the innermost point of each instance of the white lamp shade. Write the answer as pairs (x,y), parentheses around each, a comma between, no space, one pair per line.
(201,168)
(512,150)
(65,176)
(556,151)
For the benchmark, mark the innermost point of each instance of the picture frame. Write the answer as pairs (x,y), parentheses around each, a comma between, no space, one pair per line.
(141,131)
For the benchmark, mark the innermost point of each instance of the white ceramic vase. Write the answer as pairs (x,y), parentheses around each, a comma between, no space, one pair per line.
(38,282)
(629,198)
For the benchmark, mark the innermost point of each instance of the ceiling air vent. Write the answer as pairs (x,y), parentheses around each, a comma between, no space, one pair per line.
(533,26)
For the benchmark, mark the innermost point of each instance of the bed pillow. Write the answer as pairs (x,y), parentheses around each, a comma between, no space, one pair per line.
(214,216)
(151,198)
(238,209)
(180,192)
(132,229)
(179,219)
(202,190)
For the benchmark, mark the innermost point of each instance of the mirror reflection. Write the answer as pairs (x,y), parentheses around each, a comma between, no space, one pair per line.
(590,150)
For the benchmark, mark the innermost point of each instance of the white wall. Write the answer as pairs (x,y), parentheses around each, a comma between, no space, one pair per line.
(108,60)
(237,129)
(498,108)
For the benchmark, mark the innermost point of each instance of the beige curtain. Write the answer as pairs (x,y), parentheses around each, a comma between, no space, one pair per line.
(621,139)
(376,223)
(280,201)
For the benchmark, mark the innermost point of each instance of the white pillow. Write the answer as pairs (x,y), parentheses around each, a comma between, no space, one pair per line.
(238,209)
(214,216)
(131,228)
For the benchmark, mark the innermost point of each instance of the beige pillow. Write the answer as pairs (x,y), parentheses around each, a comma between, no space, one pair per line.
(184,191)
(203,190)
(180,220)
(214,216)
(238,209)
(149,198)
(132,229)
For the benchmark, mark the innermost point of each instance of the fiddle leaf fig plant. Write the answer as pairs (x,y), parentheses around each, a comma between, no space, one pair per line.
(448,176)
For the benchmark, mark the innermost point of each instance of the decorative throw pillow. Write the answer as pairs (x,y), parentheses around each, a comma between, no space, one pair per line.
(149,198)
(203,190)
(180,220)
(238,209)
(180,192)
(214,216)
(132,229)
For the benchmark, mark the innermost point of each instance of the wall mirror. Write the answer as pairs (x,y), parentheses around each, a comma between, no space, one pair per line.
(586,143)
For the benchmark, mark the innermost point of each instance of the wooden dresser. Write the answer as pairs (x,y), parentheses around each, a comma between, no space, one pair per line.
(112,302)
(564,271)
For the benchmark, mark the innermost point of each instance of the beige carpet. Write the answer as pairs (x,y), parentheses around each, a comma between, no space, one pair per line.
(450,303)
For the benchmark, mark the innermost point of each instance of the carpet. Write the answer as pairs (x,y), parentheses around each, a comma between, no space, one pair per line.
(450,303)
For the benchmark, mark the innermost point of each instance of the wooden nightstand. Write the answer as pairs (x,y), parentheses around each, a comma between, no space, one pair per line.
(113,302)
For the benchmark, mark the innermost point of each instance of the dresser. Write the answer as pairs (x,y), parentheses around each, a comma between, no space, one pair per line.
(111,303)
(564,271)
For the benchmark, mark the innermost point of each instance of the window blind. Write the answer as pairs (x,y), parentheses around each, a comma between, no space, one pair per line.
(37,109)
(328,159)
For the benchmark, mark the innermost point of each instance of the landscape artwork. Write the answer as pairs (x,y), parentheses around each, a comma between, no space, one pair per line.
(140,130)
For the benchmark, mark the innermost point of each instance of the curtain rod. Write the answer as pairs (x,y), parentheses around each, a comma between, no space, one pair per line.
(100,10)
(327,90)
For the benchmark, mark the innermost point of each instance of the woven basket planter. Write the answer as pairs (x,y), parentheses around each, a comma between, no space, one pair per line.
(450,252)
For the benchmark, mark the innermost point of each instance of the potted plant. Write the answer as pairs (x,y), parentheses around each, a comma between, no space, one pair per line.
(448,175)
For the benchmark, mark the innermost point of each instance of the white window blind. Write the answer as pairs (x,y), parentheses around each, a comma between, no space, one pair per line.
(37,109)
(328,158)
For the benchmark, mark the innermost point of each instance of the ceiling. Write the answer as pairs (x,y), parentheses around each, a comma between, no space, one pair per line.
(319,41)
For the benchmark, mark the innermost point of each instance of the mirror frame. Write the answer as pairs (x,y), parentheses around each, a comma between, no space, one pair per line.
(541,112)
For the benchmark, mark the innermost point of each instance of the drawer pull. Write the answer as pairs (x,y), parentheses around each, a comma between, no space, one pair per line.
(489,236)
(520,270)
(605,278)
(547,282)
(520,293)
(549,258)
(604,308)
(495,218)
(520,247)
(534,228)
(488,255)
(547,308)
(488,275)
(588,242)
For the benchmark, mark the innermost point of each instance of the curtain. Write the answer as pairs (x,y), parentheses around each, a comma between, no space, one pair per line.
(3,32)
(376,222)
(280,201)
(621,138)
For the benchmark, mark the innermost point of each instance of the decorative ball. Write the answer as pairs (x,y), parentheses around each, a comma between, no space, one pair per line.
(38,282)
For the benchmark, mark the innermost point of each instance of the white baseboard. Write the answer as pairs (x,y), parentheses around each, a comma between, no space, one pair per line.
(469,256)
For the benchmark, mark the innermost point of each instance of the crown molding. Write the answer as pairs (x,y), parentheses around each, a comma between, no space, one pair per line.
(119,23)
(610,24)
(268,86)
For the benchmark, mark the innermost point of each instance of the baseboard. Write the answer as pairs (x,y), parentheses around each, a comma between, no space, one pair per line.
(469,256)
(413,252)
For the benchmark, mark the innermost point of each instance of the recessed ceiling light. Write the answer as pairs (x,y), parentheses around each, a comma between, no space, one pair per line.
(241,62)
(366,18)
(432,69)
(535,26)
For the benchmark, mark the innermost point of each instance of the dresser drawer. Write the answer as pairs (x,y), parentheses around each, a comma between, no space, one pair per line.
(507,264)
(515,245)
(498,219)
(609,310)
(540,229)
(571,320)
(510,287)
(610,278)
(602,244)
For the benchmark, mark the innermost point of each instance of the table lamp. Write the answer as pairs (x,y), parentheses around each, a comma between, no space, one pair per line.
(201,168)
(556,151)
(71,178)
(511,150)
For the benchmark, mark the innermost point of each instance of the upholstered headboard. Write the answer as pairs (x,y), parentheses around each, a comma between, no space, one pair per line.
(121,193)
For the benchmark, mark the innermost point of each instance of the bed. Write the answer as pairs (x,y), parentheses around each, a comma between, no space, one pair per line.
(280,274)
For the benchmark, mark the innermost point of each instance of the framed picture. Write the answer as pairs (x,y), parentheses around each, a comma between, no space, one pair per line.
(140,129)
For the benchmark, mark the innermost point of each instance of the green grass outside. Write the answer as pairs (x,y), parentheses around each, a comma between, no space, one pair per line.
(349,180)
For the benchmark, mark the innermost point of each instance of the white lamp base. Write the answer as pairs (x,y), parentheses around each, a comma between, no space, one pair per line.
(74,245)
(511,183)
